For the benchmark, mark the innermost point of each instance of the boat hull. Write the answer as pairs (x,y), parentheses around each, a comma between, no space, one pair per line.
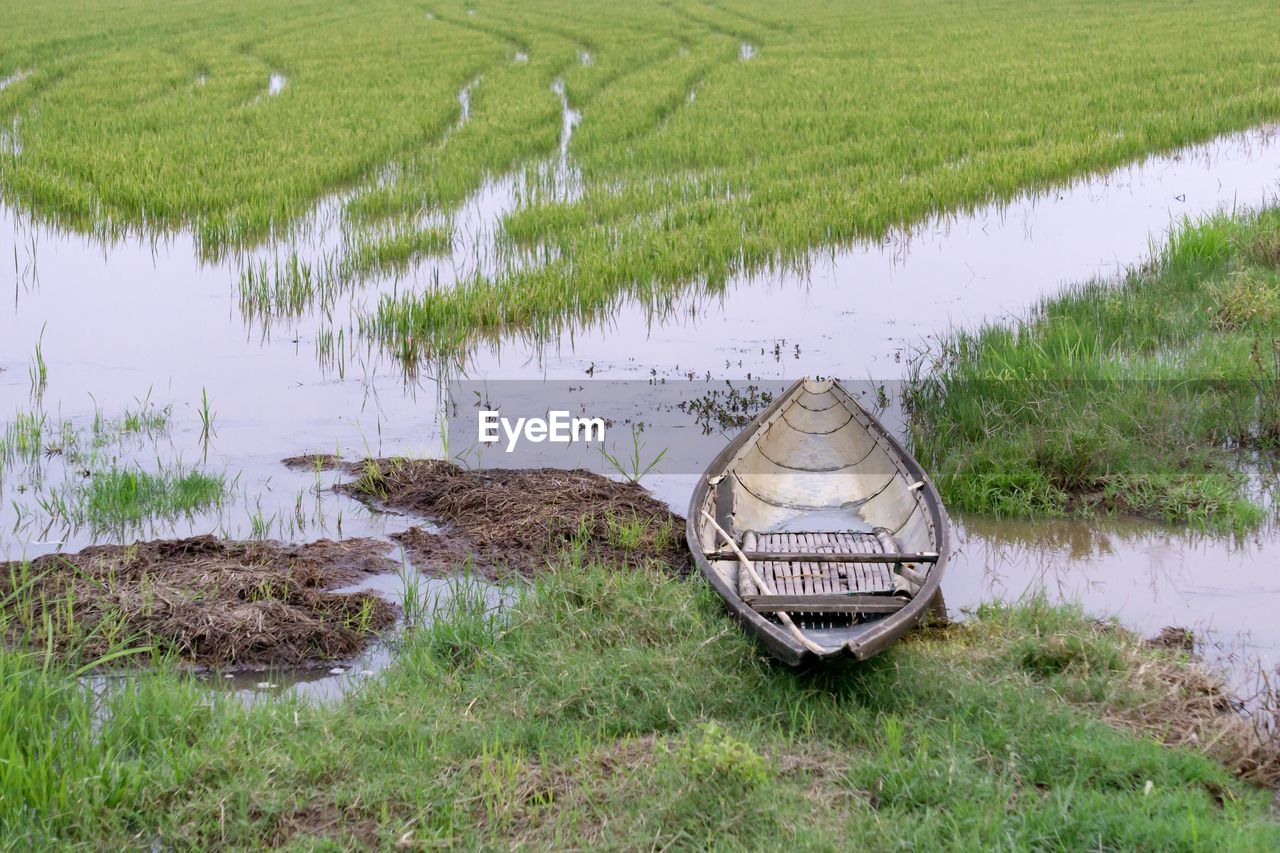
(740,464)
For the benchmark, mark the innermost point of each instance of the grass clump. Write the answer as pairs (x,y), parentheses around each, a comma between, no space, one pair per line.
(91,473)
(711,752)
(625,709)
(1245,299)
(119,498)
(1145,396)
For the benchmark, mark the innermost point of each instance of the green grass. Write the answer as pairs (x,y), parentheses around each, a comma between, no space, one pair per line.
(841,125)
(120,500)
(1149,395)
(126,497)
(627,710)
(87,475)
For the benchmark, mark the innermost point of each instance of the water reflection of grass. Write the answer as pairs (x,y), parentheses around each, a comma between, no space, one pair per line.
(623,710)
(1153,395)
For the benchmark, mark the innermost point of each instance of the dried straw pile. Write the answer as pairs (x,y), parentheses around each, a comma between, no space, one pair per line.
(522,520)
(206,600)
(1185,703)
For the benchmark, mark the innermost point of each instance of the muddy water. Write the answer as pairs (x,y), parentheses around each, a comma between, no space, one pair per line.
(132,317)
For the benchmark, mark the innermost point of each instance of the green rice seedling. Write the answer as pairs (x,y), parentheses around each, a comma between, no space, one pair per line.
(39,371)
(634,533)
(413,596)
(24,436)
(207,417)
(282,289)
(575,547)
(361,621)
(634,465)
(146,418)
(628,533)
(260,524)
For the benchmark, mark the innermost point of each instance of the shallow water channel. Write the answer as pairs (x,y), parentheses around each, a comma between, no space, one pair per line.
(122,321)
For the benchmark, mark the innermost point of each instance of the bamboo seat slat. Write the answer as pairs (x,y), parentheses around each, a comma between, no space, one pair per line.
(807,568)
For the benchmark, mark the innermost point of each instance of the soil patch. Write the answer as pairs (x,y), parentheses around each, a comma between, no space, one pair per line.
(208,601)
(504,520)
(319,462)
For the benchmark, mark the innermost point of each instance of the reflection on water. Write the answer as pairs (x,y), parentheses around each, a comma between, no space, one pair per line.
(14,78)
(1150,576)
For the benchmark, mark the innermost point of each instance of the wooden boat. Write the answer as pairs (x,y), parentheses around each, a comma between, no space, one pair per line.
(819,530)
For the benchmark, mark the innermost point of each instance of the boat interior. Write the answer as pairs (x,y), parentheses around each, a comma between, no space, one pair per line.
(821,506)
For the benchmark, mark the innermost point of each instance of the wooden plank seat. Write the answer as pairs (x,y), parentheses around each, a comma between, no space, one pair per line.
(838,603)
(823,572)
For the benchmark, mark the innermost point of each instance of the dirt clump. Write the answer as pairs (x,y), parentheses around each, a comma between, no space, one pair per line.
(208,601)
(319,462)
(503,520)
(1174,638)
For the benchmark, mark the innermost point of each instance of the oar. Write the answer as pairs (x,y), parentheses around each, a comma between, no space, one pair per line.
(784,618)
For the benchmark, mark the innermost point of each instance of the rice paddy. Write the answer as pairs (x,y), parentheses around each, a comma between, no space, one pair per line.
(105,478)
(134,117)
(241,233)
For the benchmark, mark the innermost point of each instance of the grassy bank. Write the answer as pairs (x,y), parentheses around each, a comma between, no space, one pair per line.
(1154,395)
(626,709)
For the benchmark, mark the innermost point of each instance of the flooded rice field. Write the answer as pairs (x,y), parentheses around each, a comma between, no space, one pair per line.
(135,352)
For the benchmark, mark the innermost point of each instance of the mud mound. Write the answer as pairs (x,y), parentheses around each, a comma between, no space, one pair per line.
(207,600)
(522,520)
(319,462)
